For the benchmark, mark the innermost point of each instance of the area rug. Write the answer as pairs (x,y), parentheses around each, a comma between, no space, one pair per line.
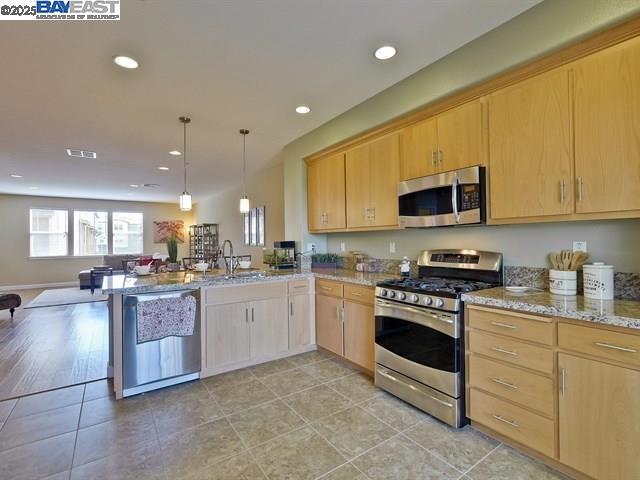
(65,296)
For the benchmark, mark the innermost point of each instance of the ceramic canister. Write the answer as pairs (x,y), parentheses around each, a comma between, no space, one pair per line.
(563,282)
(598,281)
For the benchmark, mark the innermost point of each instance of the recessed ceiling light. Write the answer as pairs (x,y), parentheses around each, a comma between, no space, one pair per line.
(164,169)
(133,185)
(13,175)
(302,109)
(385,52)
(175,152)
(125,62)
(76,152)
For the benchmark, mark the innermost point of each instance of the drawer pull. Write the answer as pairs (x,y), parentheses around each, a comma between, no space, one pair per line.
(504,325)
(506,384)
(506,352)
(356,294)
(616,347)
(329,289)
(500,418)
(302,286)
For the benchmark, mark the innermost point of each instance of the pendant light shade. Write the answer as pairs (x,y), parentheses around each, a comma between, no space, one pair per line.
(245,206)
(185,202)
(185,197)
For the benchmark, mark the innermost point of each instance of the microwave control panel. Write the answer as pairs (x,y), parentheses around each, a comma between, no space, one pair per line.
(470,197)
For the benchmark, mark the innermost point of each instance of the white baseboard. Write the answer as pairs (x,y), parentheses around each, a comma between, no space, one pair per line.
(7,288)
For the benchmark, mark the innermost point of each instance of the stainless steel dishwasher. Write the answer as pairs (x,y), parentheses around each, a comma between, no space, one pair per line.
(159,363)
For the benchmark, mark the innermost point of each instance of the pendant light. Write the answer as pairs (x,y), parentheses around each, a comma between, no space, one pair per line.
(244,201)
(185,198)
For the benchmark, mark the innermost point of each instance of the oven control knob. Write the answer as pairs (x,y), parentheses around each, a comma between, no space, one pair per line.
(439,303)
(383,292)
(415,298)
(402,296)
(428,300)
(392,294)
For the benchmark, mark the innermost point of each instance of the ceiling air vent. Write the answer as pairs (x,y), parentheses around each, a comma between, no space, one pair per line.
(74,152)
(150,185)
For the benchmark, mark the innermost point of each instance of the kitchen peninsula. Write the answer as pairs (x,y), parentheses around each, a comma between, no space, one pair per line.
(243,319)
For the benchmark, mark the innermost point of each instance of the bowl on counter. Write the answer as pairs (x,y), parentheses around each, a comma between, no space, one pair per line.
(201,266)
(244,264)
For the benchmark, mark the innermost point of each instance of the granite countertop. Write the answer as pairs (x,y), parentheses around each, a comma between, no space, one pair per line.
(163,282)
(619,313)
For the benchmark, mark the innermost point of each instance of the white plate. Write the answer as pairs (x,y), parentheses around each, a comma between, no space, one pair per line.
(518,289)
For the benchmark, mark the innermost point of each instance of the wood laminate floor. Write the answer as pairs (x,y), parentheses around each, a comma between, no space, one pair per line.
(52,347)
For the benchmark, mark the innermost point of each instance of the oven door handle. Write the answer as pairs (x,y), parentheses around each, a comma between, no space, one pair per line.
(454,197)
(417,311)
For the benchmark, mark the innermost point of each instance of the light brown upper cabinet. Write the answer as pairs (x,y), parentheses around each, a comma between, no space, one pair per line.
(530,148)
(607,126)
(372,176)
(450,141)
(326,193)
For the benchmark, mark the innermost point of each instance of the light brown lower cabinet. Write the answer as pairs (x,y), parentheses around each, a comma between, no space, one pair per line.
(329,333)
(599,418)
(359,333)
(345,322)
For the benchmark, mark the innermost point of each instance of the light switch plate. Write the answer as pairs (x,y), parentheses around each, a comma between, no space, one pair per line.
(392,247)
(579,246)
(343,247)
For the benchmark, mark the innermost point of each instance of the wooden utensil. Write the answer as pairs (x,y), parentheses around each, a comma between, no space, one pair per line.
(566,256)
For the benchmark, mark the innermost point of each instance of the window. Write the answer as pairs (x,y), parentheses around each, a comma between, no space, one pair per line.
(48,233)
(127,233)
(253,227)
(90,236)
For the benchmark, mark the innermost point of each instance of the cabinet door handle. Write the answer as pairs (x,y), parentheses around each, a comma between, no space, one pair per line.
(291,308)
(506,352)
(499,381)
(616,347)
(563,381)
(504,325)
(562,191)
(433,157)
(253,319)
(580,189)
(246,315)
(504,420)
(373,213)
(440,155)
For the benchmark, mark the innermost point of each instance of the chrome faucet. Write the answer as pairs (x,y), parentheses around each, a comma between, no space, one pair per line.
(230,267)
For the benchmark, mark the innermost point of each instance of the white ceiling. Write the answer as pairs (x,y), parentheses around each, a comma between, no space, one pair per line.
(228,64)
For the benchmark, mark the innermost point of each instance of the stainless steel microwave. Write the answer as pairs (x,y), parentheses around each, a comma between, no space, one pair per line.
(450,198)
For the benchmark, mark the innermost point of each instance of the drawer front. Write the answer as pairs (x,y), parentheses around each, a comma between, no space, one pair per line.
(517,325)
(622,347)
(243,293)
(512,351)
(358,293)
(327,287)
(527,428)
(512,383)
(299,287)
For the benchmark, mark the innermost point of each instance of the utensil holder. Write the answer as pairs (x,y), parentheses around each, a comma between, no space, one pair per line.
(598,281)
(563,282)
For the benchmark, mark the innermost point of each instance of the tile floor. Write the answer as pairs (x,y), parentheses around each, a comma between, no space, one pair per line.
(305,417)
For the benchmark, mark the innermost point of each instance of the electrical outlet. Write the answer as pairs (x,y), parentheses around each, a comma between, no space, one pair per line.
(343,247)
(392,247)
(579,246)
(311,247)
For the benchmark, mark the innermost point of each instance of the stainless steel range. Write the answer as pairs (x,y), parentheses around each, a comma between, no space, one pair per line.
(419,329)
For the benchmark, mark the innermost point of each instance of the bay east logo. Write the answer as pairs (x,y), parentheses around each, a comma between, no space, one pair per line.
(78,6)
(59,9)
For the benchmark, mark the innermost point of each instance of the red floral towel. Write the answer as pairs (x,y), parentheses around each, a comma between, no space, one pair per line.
(166,317)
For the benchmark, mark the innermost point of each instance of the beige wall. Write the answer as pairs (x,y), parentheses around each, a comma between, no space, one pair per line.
(545,27)
(16,268)
(265,188)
